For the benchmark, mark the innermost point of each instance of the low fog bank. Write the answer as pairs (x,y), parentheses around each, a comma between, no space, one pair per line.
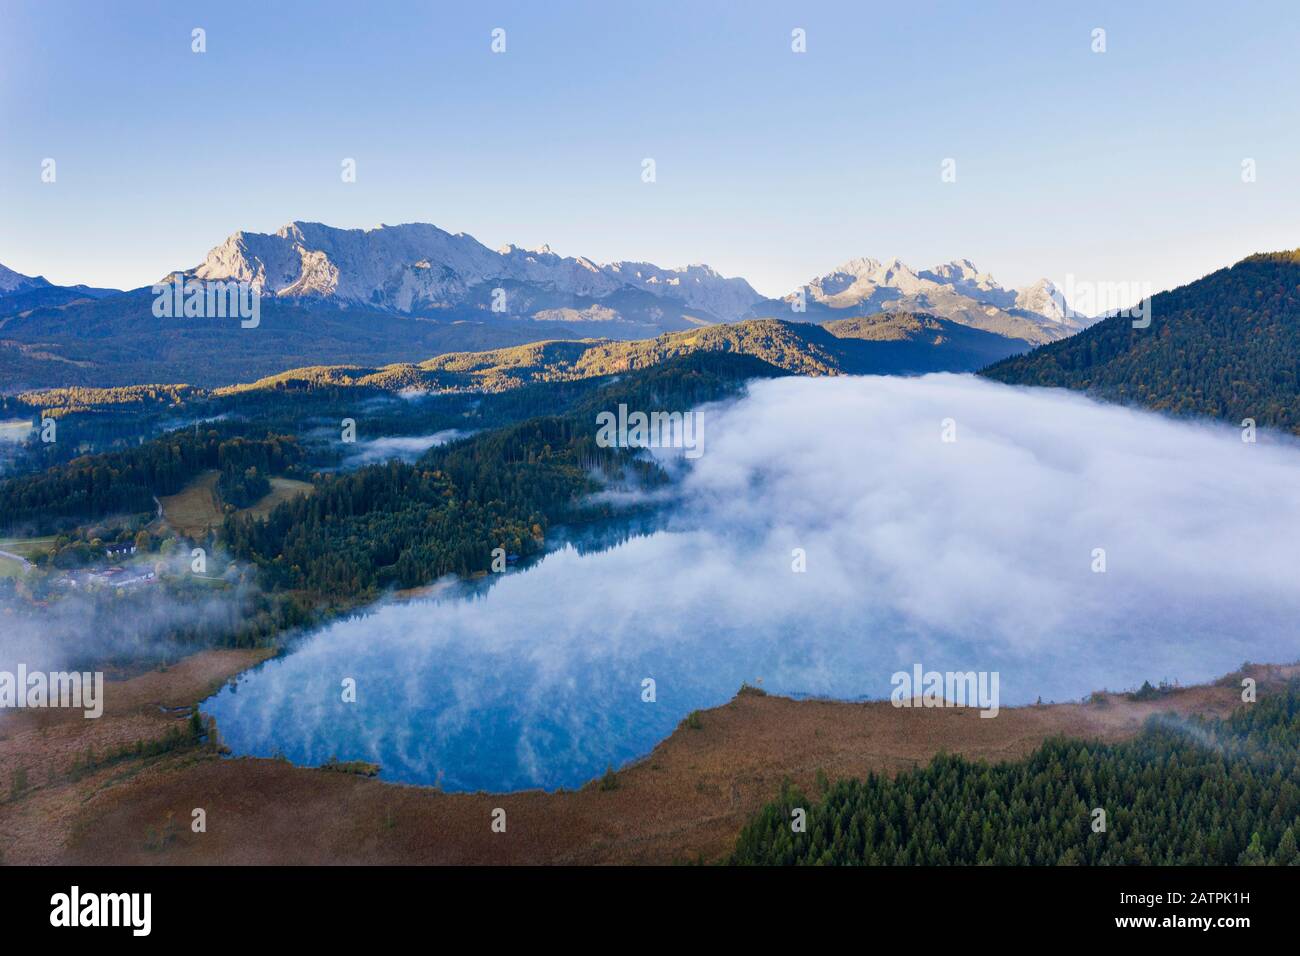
(991,539)
(131,627)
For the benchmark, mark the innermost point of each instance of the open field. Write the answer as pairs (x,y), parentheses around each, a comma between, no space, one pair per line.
(27,547)
(46,744)
(197,507)
(685,801)
(16,552)
(282,489)
(194,509)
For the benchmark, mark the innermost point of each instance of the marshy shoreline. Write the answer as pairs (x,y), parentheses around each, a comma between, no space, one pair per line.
(684,802)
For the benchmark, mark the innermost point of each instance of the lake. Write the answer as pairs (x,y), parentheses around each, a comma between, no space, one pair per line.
(976,555)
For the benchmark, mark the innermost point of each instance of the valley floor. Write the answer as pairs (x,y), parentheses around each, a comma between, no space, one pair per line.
(684,802)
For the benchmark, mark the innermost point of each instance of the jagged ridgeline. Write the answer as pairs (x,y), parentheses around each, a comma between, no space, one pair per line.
(1224,346)
(1164,794)
(403,525)
(381,295)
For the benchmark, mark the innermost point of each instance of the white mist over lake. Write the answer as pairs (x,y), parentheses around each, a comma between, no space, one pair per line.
(976,554)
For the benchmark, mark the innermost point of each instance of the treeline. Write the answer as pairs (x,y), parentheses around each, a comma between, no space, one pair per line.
(127,480)
(1184,792)
(405,525)
(99,428)
(12,406)
(78,398)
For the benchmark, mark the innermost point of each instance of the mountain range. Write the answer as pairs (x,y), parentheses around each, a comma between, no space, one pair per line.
(418,268)
(19,292)
(956,290)
(387,294)
(1224,346)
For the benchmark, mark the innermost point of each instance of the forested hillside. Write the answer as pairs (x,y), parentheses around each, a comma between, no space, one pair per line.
(477,390)
(70,348)
(404,525)
(366,530)
(127,481)
(882,344)
(117,341)
(1226,346)
(1207,792)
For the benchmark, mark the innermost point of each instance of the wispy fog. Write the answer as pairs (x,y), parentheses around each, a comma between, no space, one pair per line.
(15,430)
(106,628)
(972,555)
(407,448)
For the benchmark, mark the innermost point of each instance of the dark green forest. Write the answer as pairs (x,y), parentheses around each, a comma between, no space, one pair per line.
(117,448)
(242,486)
(403,525)
(385,525)
(471,390)
(127,481)
(1184,792)
(91,421)
(1226,346)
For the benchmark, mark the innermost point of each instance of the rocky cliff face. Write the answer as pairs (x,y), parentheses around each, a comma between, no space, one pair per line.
(418,266)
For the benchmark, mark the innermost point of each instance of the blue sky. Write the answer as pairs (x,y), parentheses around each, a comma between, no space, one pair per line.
(1119,166)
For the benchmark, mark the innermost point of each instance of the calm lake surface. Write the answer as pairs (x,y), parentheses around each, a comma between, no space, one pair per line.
(975,556)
